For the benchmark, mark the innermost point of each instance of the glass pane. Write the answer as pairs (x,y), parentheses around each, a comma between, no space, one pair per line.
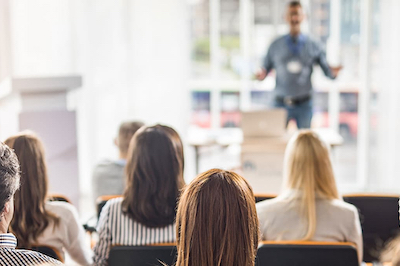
(230,40)
(260,100)
(319,20)
(345,155)
(268,24)
(201,115)
(230,109)
(320,109)
(376,59)
(200,38)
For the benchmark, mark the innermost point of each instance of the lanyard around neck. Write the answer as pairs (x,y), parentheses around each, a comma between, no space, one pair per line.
(295,48)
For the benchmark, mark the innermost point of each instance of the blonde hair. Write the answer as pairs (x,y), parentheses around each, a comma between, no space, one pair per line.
(216,222)
(392,252)
(308,170)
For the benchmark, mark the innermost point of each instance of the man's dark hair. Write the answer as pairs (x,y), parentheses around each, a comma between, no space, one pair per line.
(9,174)
(125,133)
(294,4)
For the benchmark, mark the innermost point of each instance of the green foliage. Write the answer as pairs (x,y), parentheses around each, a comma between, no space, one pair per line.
(202,47)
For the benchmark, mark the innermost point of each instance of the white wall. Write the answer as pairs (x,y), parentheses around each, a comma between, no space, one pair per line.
(388,144)
(134,67)
(133,56)
(160,61)
(41,37)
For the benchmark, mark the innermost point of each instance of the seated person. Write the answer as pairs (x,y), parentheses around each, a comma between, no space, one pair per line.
(38,221)
(146,213)
(9,183)
(216,222)
(108,175)
(310,207)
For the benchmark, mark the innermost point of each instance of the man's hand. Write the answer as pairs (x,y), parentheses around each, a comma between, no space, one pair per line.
(335,70)
(261,74)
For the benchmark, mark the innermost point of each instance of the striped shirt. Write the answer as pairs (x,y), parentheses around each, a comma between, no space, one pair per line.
(9,256)
(117,228)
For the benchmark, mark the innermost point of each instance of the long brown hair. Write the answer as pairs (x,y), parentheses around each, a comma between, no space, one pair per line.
(30,215)
(216,222)
(154,174)
(308,170)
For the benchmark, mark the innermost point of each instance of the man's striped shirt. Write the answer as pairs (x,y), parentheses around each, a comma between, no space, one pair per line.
(9,256)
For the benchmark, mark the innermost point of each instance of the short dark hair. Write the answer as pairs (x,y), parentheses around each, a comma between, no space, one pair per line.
(294,4)
(154,176)
(9,174)
(125,133)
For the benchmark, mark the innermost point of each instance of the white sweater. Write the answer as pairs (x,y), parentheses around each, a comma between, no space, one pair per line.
(69,235)
(337,221)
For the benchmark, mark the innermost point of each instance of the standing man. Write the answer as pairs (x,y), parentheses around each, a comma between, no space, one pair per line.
(293,57)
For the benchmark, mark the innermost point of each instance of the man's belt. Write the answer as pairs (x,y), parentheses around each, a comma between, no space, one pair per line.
(291,101)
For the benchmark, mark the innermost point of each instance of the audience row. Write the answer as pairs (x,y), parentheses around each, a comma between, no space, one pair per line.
(214,220)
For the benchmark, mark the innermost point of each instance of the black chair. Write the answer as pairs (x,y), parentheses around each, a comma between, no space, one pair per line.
(142,255)
(261,197)
(298,253)
(59,197)
(48,251)
(379,216)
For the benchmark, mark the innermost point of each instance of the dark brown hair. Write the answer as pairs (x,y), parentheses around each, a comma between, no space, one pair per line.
(294,4)
(154,174)
(125,133)
(9,175)
(30,216)
(216,222)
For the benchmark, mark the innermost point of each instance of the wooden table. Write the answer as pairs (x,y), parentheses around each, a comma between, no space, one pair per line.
(227,137)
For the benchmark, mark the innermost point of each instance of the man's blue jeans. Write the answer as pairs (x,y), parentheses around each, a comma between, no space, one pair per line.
(301,113)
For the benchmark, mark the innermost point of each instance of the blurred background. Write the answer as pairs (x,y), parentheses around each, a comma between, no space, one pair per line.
(190,64)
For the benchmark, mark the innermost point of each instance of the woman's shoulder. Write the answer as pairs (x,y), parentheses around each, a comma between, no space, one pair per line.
(64,210)
(114,203)
(342,207)
(270,205)
(112,207)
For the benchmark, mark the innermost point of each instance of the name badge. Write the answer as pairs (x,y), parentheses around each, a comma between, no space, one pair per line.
(294,67)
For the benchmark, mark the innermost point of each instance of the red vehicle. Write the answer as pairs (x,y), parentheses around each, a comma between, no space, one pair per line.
(348,116)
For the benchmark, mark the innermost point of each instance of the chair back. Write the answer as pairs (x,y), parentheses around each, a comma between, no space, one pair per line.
(102,200)
(142,255)
(305,253)
(48,251)
(379,216)
(59,197)
(261,197)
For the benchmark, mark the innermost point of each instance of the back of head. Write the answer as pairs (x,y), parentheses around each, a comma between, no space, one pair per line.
(125,133)
(31,218)
(217,222)
(308,172)
(9,175)
(154,173)
(294,4)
